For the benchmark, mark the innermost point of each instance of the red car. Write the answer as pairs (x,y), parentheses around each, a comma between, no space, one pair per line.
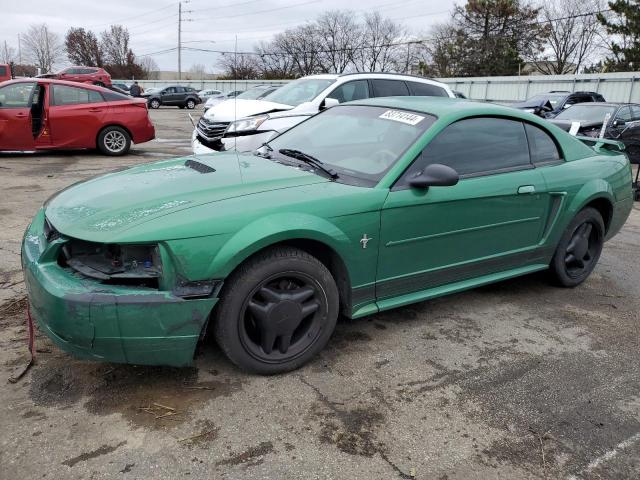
(43,114)
(91,75)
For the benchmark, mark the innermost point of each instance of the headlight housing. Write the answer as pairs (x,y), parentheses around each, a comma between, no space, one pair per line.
(246,125)
(530,110)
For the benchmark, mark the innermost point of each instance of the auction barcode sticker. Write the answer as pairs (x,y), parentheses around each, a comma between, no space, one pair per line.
(403,117)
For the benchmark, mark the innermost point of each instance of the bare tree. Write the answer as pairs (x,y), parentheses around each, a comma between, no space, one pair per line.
(238,66)
(339,35)
(574,33)
(150,68)
(7,53)
(302,45)
(115,44)
(273,63)
(196,72)
(441,55)
(378,52)
(82,47)
(42,46)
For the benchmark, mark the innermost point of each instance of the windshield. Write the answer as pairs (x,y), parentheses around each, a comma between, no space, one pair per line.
(360,142)
(252,94)
(586,113)
(553,99)
(299,91)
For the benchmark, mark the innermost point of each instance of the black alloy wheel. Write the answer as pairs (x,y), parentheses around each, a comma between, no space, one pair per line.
(276,311)
(579,249)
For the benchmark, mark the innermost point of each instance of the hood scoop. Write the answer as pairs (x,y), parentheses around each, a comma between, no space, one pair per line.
(198,166)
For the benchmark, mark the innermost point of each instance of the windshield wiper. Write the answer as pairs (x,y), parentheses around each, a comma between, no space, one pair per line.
(308,159)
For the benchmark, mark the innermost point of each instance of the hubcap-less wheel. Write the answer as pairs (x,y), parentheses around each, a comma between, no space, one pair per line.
(115,141)
(282,317)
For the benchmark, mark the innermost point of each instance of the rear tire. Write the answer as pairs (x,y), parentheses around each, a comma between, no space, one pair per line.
(579,249)
(114,141)
(276,311)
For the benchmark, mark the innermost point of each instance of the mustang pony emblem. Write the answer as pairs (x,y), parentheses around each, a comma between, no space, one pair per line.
(364,240)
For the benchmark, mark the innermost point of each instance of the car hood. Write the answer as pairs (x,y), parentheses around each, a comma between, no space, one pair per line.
(234,109)
(532,104)
(100,209)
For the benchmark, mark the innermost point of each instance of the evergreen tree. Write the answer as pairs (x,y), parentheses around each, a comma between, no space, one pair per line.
(624,28)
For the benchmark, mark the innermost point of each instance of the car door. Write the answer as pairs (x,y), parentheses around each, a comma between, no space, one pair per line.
(75,116)
(389,88)
(168,96)
(491,221)
(16,131)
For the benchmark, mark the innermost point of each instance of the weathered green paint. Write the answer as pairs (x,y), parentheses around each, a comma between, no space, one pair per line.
(423,243)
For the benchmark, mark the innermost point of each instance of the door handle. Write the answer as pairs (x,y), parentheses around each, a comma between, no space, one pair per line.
(524,189)
(21,115)
(95,109)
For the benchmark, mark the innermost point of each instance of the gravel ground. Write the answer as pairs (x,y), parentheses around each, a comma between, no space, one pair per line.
(516,380)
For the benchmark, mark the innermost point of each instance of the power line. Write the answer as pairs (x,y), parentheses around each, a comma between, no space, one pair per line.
(119,22)
(256,12)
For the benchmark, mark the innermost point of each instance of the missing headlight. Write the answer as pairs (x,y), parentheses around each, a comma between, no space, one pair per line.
(114,264)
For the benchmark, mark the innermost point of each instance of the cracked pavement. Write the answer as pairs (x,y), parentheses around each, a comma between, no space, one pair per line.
(517,380)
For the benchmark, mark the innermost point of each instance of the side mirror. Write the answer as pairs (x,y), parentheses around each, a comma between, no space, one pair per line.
(435,175)
(328,103)
(619,123)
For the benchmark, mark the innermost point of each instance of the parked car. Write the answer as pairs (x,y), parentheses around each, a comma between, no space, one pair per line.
(122,86)
(91,75)
(548,105)
(459,94)
(244,125)
(5,72)
(616,121)
(207,94)
(173,95)
(255,93)
(365,207)
(46,114)
(234,93)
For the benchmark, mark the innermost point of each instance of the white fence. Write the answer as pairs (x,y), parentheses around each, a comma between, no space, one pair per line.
(615,87)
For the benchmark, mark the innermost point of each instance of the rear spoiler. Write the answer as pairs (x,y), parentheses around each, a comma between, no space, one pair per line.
(599,144)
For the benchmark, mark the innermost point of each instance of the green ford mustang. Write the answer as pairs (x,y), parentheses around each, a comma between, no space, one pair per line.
(367,206)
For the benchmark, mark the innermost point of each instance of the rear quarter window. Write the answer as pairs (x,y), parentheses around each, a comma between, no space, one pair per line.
(3,71)
(542,147)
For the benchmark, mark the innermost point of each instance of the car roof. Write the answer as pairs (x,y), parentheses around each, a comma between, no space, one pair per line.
(608,104)
(54,81)
(440,106)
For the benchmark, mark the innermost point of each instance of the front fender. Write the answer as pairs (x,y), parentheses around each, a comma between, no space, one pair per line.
(273,229)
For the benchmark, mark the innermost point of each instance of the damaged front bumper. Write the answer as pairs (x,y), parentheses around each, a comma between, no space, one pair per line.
(112,323)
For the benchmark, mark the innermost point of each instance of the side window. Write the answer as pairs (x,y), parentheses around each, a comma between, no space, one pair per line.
(169,90)
(17,95)
(635,112)
(624,114)
(180,90)
(389,88)
(346,92)
(475,146)
(3,71)
(541,146)
(64,95)
(426,90)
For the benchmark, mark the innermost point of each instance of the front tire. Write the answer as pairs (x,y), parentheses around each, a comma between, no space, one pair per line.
(191,104)
(114,141)
(277,311)
(579,249)
(155,104)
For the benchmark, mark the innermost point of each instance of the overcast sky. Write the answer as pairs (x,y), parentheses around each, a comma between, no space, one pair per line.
(153,24)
